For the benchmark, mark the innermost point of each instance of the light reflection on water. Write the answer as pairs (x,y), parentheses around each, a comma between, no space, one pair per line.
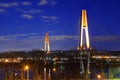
(61,72)
(66,71)
(49,72)
(45,74)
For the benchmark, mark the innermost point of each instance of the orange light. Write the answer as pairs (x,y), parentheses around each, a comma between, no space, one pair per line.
(26,67)
(84,19)
(6,60)
(107,57)
(99,76)
(54,69)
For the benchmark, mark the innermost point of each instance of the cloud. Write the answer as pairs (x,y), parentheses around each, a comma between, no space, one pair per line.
(43,2)
(35,36)
(17,45)
(18,36)
(62,37)
(32,11)
(55,37)
(46,2)
(4,38)
(26,3)
(49,18)
(105,38)
(105,42)
(7,5)
(2,10)
(14,4)
(27,16)
(31,41)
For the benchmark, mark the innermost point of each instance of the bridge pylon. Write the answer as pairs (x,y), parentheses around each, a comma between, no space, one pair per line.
(84,48)
(47,44)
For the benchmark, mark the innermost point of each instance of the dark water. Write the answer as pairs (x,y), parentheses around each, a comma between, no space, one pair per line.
(50,72)
(66,71)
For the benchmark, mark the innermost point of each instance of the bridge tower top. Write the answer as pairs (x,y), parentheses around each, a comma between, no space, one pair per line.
(84,31)
(47,43)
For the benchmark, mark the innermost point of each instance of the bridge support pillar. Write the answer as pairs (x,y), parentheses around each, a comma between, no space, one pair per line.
(85,65)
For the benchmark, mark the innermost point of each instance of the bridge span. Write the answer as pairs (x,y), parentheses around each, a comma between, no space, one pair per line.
(105,64)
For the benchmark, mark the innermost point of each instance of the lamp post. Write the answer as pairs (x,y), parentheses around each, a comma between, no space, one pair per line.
(26,68)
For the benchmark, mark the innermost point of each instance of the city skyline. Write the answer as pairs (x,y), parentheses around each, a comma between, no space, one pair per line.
(24,24)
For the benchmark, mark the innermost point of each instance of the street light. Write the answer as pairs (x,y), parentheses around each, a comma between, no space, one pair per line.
(99,76)
(26,68)
(6,60)
(54,69)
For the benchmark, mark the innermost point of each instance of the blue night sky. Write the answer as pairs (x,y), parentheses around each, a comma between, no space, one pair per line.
(23,23)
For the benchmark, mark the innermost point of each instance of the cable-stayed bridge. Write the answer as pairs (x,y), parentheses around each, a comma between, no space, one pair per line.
(83,63)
